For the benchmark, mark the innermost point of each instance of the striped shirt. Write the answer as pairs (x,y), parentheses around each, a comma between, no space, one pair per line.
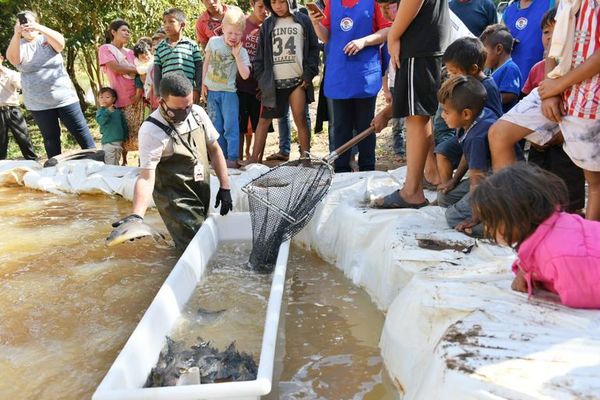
(181,56)
(583,99)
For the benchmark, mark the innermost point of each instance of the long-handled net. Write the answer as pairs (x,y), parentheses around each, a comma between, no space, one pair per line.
(283,200)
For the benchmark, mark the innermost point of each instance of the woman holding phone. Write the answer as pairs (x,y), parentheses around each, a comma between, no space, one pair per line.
(48,91)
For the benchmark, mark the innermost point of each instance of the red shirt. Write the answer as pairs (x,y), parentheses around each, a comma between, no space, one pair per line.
(536,76)
(250,43)
(207,27)
(379,22)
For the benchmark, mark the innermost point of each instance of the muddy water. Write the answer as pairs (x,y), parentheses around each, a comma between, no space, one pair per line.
(68,304)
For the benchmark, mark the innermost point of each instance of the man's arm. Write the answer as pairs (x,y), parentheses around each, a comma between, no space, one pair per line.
(142,192)
(586,70)
(218,163)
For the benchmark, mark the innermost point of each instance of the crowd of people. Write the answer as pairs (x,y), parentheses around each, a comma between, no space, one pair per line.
(467,98)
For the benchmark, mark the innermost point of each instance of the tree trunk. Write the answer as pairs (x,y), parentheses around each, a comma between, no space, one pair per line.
(71,56)
(90,61)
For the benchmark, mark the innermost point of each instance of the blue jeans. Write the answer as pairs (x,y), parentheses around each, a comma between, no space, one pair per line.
(350,116)
(71,116)
(285,130)
(223,110)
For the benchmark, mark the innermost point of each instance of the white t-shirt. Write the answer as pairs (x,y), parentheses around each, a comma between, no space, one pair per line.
(288,50)
(155,144)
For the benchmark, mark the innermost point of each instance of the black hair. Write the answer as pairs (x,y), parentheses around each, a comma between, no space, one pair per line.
(110,90)
(176,13)
(549,18)
(31,14)
(292,6)
(142,47)
(463,92)
(498,34)
(175,84)
(466,52)
(115,25)
(516,200)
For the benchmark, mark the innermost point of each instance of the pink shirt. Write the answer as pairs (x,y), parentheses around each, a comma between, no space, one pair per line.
(536,76)
(124,87)
(564,254)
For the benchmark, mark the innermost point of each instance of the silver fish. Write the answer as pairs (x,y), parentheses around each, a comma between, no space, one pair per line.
(132,230)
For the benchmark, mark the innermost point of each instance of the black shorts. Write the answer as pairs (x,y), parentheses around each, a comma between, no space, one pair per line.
(249,109)
(282,104)
(416,86)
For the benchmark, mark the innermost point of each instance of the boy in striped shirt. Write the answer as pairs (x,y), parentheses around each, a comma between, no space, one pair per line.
(569,103)
(177,53)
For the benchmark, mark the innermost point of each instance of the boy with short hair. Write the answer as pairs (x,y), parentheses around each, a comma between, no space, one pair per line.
(113,126)
(465,56)
(10,114)
(462,99)
(177,53)
(498,43)
(209,22)
(225,57)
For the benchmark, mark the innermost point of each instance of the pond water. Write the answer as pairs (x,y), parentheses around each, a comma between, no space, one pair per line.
(68,303)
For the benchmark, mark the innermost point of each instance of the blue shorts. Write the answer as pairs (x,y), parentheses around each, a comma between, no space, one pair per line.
(450,148)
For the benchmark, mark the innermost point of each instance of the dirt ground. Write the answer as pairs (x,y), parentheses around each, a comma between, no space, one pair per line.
(320,142)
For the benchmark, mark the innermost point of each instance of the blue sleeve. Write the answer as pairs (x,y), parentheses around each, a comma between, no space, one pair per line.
(477,154)
(511,81)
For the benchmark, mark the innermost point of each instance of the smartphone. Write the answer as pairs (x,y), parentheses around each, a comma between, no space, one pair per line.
(314,7)
(22,17)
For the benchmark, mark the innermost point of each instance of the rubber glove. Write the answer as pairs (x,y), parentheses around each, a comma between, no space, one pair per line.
(224,198)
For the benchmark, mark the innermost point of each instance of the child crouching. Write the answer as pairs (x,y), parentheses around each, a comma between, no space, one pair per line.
(113,126)
(522,206)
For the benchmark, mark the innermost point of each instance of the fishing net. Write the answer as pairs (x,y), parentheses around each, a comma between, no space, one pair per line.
(282,201)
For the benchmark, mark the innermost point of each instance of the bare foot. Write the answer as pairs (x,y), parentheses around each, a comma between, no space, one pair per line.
(248,161)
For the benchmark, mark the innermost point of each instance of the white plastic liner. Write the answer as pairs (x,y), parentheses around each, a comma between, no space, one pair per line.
(130,370)
(453,329)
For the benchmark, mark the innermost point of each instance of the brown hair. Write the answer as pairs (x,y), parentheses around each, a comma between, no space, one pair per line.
(463,92)
(516,200)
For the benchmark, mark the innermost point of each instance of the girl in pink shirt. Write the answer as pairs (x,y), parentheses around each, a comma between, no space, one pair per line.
(521,206)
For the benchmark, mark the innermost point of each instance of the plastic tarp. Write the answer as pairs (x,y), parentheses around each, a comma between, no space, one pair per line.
(453,328)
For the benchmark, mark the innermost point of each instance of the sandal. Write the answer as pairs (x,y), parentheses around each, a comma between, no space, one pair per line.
(278,157)
(394,200)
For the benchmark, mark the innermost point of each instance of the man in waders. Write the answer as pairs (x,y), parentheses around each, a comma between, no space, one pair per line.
(174,144)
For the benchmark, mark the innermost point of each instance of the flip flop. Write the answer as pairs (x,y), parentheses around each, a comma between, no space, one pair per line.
(278,157)
(394,200)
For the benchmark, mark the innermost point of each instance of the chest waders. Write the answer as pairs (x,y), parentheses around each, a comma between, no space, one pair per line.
(182,201)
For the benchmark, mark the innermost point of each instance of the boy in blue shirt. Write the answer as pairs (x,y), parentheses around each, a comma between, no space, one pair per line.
(463,99)
(498,43)
(112,126)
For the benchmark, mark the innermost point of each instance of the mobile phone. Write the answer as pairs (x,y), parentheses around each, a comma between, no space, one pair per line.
(314,7)
(22,17)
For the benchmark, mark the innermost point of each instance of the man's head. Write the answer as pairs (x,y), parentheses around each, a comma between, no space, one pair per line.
(259,10)
(465,56)
(176,96)
(233,25)
(107,96)
(498,43)
(214,7)
(548,22)
(462,98)
(174,22)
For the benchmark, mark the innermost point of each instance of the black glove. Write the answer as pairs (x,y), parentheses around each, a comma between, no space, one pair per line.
(224,198)
(129,218)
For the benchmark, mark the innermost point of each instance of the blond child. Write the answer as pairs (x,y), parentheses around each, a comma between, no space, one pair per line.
(225,57)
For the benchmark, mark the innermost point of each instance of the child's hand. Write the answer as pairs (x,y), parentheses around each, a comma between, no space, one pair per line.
(446,186)
(550,87)
(204,93)
(354,46)
(304,84)
(519,284)
(466,226)
(553,108)
(379,122)
(235,50)
(387,95)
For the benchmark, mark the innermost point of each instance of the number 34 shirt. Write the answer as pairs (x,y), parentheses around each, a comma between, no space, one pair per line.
(287,40)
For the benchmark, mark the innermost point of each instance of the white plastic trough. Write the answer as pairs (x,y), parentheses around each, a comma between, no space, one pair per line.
(130,370)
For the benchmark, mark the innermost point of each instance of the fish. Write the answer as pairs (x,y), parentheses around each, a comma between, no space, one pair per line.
(207,317)
(175,361)
(132,230)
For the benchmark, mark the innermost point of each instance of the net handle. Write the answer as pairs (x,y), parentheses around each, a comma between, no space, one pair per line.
(331,157)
